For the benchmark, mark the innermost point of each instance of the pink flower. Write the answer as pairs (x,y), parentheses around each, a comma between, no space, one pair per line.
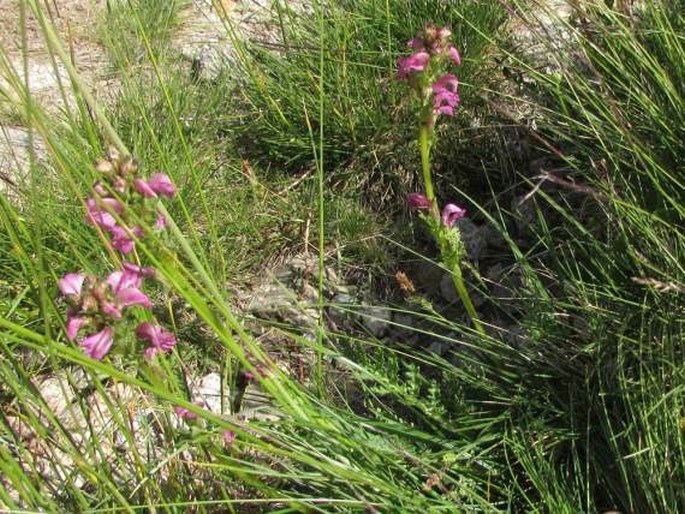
(97,345)
(74,324)
(447,82)
(95,216)
(158,336)
(229,437)
(71,284)
(131,276)
(454,54)
(418,201)
(150,352)
(160,223)
(121,241)
(412,64)
(184,413)
(161,184)
(134,268)
(445,102)
(446,97)
(98,212)
(451,213)
(126,285)
(144,188)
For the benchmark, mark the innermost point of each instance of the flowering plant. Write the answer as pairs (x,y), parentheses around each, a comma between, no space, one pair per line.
(101,308)
(426,71)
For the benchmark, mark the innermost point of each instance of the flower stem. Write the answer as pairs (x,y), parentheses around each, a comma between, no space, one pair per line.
(425,144)
(458,280)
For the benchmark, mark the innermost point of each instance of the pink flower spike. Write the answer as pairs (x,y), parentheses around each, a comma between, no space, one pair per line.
(156,335)
(184,413)
(144,188)
(412,64)
(454,55)
(229,437)
(74,324)
(451,213)
(133,296)
(161,184)
(418,201)
(71,284)
(97,345)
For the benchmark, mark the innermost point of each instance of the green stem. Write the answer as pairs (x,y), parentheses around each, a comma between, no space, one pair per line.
(425,144)
(463,293)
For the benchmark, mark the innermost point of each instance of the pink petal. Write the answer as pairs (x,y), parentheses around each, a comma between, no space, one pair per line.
(74,324)
(97,345)
(447,82)
(121,240)
(150,352)
(120,185)
(160,223)
(454,55)
(133,296)
(135,269)
(451,213)
(156,335)
(111,309)
(131,276)
(71,284)
(229,437)
(418,201)
(144,188)
(184,413)
(161,184)
(97,216)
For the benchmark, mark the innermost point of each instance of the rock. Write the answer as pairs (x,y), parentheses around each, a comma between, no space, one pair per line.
(448,290)
(376,320)
(16,146)
(439,348)
(404,326)
(472,237)
(208,391)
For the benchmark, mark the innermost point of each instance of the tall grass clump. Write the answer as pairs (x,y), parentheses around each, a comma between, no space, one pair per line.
(353,45)
(611,237)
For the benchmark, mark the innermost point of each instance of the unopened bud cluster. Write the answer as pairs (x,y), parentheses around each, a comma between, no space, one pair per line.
(122,192)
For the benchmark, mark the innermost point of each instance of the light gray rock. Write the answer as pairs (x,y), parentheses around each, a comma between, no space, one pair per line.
(209,392)
(376,320)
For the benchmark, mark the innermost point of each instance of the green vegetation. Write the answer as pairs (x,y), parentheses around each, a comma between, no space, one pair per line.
(573,400)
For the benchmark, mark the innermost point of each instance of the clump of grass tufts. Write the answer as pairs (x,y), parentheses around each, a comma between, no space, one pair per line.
(354,45)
